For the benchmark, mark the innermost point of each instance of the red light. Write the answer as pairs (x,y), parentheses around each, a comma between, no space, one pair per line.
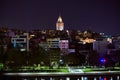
(105,78)
(102,60)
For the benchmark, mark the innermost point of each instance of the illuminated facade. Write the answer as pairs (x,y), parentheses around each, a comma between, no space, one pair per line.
(21,42)
(59,24)
(63,44)
(87,40)
(101,46)
(53,42)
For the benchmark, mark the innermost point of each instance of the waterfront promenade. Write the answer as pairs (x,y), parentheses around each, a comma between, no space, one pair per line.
(71,74)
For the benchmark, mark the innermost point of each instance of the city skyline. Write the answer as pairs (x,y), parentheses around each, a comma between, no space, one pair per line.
(99,16)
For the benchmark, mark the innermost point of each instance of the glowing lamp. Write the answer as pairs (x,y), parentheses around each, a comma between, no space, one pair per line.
(102,60)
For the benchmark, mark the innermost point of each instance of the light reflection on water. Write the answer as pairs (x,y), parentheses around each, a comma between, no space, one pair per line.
(114,77)
(79,78)
(118,77)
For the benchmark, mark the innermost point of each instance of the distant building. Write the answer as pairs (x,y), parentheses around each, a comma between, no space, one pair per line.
(53,42)
(116,42)
(11,33)
(87,40)
(64,46)
(59,24)
(44,45)
(21,42)
(100,46)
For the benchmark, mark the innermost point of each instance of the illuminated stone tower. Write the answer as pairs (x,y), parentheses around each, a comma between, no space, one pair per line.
(59,24)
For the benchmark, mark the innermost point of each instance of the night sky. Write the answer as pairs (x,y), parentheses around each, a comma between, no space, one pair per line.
(97,15)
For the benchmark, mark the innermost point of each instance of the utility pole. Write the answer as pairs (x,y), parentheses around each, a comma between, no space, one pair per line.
(27,46)
(27,41)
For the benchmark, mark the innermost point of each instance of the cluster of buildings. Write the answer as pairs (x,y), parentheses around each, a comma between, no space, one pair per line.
(68,41)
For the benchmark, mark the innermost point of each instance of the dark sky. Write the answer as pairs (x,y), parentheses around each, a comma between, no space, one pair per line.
(98,15)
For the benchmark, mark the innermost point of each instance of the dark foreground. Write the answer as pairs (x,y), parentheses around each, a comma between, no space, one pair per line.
(98,75)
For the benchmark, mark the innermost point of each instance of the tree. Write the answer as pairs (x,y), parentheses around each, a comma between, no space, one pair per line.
(38,55)
(54,55)
(14,58)
(94,58)
(111,46)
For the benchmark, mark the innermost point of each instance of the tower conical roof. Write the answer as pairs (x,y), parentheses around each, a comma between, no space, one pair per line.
(59,19)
